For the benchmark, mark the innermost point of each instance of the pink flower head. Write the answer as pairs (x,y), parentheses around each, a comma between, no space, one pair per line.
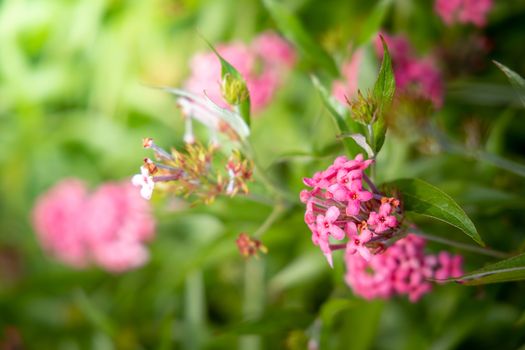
(463,11)
(274,49)
(382,220)
(339,202)
(403,269)
(107,228)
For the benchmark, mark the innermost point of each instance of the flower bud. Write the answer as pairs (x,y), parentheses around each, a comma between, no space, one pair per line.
(234,90)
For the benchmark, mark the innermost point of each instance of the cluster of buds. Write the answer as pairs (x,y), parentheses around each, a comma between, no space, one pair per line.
(249,246)
(403,269)
(192,173)
(345,205)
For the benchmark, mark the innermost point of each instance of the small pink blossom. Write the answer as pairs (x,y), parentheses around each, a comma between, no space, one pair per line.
(463,11)
(107,228)
(357,240)
(382,220)
(326,226)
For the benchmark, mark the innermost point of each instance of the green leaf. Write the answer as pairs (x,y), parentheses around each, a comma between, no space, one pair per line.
(292,28)
(423,198)
(228,69)
(374,21)
(336,111)
(512,269)
(515,79)
(383,93)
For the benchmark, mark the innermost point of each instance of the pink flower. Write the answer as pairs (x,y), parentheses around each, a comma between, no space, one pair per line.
(403,269)
(463,11)
(107,228)
(382,220)
(355,196)
(274,49)
(325,224)
(356,241)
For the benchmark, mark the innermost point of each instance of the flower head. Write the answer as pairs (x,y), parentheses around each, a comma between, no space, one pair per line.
(403,269)
(339,205)
(463,11)
(107,228)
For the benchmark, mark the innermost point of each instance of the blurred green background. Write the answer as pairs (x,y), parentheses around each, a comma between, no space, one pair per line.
(76,100)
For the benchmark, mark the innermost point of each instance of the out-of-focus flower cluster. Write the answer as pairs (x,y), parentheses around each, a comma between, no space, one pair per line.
(463,11)
(249,246)
(416,78)
(107,228)
(403,269)
(344,205)
(262,63)
(191,173)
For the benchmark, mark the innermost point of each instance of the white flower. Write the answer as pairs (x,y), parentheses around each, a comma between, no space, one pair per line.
(144,180)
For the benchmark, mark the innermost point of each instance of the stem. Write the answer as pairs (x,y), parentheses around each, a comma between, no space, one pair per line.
(254,295)
(194,313)
(371,184)
(278,209)
(464,246)
(371,143)
(265,179)
(337,246)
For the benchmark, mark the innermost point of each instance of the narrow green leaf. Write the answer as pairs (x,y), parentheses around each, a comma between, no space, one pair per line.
(293,29)
(518,83)
(374,21)
(383,92)
(423,198)
(512,269)
(361,141)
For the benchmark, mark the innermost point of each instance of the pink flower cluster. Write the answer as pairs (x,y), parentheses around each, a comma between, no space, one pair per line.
(262,64)
(463,11)
(403,268)
(107,228)
(341,208)
(415,77)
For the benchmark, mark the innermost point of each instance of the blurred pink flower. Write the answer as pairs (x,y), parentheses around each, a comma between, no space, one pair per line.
(262,64)
(107,228)
(403,269)
(416,77)
(463,11)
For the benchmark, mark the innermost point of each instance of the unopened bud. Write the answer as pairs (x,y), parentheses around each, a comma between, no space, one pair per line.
(234,90)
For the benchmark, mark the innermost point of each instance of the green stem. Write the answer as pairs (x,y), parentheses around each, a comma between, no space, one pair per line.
(254,296)
(464,246)
(194,313)
(276,213)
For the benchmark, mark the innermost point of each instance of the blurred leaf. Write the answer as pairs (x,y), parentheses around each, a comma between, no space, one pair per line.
(423,198)
(292,28)
(305,268)
(274,321)
(234,120)
(374,21)
(512,269)
(228,69)
(383,92)
(515,79)
(337,112)
(483,94)
(100,320)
